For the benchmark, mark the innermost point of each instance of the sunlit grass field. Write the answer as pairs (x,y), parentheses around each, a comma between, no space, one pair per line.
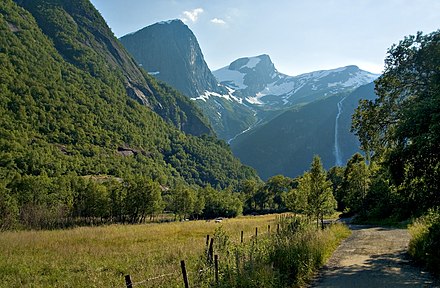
(101,256)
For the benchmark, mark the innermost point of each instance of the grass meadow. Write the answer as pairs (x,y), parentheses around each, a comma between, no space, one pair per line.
(101,256)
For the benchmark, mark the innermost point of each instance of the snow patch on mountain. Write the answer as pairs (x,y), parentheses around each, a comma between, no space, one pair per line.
(231,77)
(252,63)
(229,96)
(169,21)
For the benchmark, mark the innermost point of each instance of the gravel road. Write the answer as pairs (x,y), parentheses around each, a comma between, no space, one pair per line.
(373,257)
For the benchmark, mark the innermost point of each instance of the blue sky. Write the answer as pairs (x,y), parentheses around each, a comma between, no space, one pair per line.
(299,36)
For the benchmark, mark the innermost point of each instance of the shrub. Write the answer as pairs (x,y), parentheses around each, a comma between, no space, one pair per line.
(424,245)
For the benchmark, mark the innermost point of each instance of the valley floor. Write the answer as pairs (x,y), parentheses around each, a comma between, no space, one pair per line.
(373,257)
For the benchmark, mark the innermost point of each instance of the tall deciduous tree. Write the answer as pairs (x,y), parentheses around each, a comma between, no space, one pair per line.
(358,179)
(402,125)
(317,192)
(183,199)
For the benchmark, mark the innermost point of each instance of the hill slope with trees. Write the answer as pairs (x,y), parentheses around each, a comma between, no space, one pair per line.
(68,112)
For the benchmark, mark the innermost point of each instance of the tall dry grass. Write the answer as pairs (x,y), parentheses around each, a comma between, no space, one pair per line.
(101,256)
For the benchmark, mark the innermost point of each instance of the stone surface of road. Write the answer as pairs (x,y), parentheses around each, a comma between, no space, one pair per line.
(373,257)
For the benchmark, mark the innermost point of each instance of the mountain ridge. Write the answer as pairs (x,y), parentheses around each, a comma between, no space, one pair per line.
(257,79)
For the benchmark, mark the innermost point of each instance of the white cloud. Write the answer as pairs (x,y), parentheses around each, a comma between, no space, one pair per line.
(218,21)
(192,15)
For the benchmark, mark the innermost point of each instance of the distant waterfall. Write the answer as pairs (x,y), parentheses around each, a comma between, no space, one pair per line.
(338,159)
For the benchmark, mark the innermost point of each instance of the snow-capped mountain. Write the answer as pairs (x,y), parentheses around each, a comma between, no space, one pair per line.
(256,81)
(170,52)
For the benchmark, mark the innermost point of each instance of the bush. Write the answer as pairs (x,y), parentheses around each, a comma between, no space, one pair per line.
(424,245)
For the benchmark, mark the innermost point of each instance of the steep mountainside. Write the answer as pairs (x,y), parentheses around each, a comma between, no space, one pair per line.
(180,62)
(83,39)
(68,108)
(170,52)
(287,144)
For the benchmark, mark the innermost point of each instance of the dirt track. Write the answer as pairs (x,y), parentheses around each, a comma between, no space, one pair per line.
(373,257)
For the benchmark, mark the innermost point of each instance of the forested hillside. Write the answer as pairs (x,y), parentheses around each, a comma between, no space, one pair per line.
(68,110)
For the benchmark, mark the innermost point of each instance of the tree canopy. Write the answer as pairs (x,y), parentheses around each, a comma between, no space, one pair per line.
(401,128)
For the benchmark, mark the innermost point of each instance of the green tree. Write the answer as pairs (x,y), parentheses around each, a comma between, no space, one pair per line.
(400,129)
(277,186)
(343,192)
(155,201)
(8,209)
(249,188)
(336,176)
(358,180)
(320,200)
(183,201)
(199,205)
(296,200)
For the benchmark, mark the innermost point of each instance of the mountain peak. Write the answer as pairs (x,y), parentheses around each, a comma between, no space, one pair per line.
(171,21)
(250,62)
(169,50)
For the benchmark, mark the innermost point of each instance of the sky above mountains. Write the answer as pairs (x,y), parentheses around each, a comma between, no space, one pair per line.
(300,36)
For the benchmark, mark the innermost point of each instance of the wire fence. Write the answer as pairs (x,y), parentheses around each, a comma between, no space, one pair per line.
(211,261)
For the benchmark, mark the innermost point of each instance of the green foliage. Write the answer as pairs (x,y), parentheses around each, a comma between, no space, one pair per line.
(8,209)
(225,203)
(336,176)
(267,197)
(399,129)
(358,184)
(425,240)
(314,195)
(183,201)
(67,112)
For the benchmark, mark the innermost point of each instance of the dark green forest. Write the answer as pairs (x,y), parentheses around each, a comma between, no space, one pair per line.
(72,135)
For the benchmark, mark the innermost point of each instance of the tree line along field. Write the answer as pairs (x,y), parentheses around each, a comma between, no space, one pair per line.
(101,256)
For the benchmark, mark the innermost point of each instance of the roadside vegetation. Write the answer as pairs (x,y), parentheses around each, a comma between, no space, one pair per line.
(424,246)
(286,259)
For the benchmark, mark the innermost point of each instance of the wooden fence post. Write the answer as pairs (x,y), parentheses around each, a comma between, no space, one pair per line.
(256,234)
(185,276)
(237,261)
(241,241)
(211,250)
(207,240)
(278,228)
(216,268)
(268,229)
(128,281)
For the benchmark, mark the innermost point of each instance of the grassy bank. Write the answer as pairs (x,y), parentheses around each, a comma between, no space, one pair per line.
(424,246)
(287,259)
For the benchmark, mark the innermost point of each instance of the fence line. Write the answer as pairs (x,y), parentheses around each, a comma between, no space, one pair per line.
(212,260)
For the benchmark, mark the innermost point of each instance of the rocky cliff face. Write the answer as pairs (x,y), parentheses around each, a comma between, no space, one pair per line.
(170,51)
(83,38)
